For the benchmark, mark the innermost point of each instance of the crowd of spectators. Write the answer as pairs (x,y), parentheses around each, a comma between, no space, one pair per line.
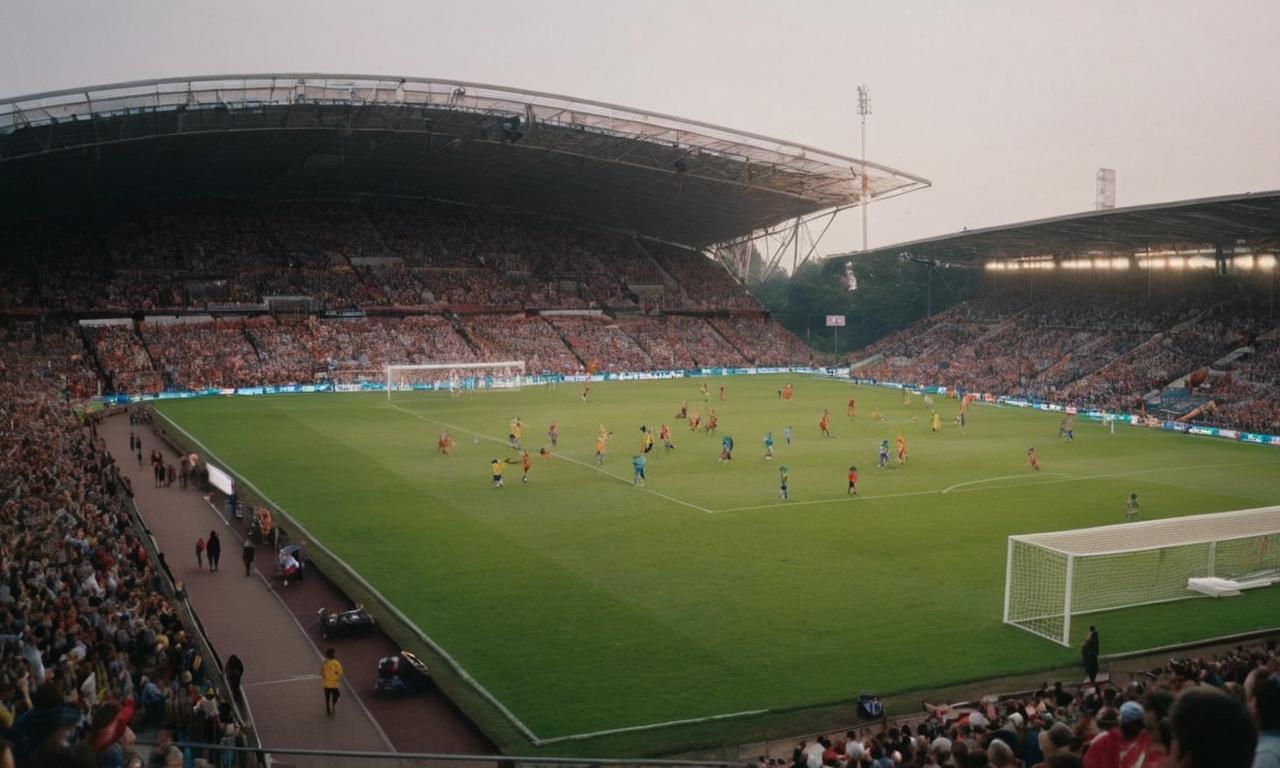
(124,359)
(203,355)
(762,341)
(1221,711)
(603,344)
(90,647)
(704,342)
(660,341)
(196,254)
(55,354)
(516,337)
(1100,351)
(1245,396)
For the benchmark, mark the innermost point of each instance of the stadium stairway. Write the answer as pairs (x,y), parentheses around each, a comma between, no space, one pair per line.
(564,338)
(669,282)
(729,342)
(461,329)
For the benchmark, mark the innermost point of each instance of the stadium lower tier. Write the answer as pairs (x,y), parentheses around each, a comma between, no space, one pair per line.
(1211,359)
(193,354)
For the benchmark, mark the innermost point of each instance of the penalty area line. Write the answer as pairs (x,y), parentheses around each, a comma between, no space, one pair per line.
(951,488)
(562,457)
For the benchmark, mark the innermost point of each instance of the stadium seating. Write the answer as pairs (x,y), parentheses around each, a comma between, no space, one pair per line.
(85,627)
(1071,720)
(1071,342)
(1105,351)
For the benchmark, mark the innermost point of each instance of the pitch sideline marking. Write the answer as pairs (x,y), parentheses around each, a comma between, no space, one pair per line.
(602,471)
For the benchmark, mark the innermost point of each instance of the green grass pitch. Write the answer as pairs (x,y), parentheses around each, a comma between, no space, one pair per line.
(586,604)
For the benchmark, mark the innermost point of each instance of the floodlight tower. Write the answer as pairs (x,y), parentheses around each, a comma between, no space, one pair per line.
(864,109)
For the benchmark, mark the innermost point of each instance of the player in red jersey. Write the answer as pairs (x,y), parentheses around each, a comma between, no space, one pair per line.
(852,408)
(664,434)
(445,443)
(853,481)
(825,423)
(1033,459)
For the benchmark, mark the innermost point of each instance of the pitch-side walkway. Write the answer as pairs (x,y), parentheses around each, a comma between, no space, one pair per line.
(273,632)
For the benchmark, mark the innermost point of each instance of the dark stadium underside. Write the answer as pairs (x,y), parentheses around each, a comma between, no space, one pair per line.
(333,136)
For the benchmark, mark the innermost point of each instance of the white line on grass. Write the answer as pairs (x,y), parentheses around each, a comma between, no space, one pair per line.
(561,456)
(958,488)
(951,488)
(301,629)
(833,500)
(391,607)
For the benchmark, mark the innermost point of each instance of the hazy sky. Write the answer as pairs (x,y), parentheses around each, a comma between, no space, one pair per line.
(1008,107)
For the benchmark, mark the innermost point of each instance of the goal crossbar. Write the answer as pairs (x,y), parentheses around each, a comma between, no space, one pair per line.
(1050,577)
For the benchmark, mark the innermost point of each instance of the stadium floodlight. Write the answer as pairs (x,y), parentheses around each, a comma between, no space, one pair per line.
(1051,577)
(455,378)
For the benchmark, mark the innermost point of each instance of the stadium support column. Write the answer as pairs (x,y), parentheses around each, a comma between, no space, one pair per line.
(864,109)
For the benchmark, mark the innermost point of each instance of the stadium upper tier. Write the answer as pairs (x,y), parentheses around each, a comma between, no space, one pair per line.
(236,255)
(309,135)
(1250,221)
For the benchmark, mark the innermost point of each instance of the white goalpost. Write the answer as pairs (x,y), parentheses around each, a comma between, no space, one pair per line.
(1051,577)
(455,378)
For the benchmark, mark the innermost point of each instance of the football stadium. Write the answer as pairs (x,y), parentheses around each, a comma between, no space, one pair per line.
(476,385)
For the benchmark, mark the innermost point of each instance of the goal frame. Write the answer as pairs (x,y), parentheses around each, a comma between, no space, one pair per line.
(1205,541)
(393,368)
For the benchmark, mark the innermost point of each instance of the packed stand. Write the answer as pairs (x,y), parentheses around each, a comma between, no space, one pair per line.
(704,342)
(211,252)
(1070,345)
(604,345)
(89,645)
(203,355)
(706,283)
(763,341)
(124,359)
(1246,395)
(1207,712)
(659,340)
(53,354)
(516,337)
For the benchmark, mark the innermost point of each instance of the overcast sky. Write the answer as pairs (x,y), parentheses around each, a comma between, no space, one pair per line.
(1009,108)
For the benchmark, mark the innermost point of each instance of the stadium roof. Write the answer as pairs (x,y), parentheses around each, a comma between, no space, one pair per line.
(1251,219)
(320,135)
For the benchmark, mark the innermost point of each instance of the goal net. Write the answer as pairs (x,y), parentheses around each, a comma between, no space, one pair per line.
(456,378)
(1051,577)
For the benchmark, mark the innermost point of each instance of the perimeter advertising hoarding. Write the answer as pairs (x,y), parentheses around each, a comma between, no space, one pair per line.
(221,480)
(835,321)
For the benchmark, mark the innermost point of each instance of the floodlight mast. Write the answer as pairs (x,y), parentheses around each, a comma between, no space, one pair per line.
(864,109)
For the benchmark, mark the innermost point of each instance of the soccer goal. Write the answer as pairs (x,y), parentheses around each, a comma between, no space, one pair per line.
(1051,577)
(455,378)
